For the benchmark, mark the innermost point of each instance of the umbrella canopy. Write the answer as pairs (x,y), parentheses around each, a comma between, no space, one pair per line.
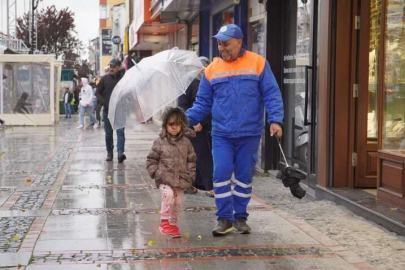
(151,85)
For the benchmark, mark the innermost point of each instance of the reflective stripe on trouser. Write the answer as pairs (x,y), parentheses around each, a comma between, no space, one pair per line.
(238,155)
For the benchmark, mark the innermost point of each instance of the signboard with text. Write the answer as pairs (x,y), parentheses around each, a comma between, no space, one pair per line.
(106,41)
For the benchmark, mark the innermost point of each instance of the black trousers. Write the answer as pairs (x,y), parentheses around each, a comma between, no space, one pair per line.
(205,167)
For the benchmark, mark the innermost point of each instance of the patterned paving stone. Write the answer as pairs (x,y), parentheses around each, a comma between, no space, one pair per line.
(86,211)
(30,200)
(13,231)
(52,169)
(136,255)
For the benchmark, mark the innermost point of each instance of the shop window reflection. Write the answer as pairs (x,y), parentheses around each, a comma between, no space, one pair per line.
(296,57)
(372,113)
(394,79)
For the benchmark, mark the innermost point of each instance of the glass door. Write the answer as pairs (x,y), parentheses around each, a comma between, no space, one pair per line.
(299,85)
(367,109)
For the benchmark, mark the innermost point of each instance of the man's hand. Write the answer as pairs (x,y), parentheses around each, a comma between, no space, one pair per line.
(198,127)
(275,129)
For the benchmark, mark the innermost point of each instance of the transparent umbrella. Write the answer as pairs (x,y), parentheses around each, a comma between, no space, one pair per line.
(151,85)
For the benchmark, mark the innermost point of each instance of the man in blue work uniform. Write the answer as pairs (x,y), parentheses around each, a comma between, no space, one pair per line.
(235,89)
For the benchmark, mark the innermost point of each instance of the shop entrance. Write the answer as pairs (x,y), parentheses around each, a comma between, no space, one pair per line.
(365,93)
(299,84)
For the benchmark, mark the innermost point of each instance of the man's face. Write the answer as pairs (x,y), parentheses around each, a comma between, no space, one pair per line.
(230,49)
(114,69)
(80,83)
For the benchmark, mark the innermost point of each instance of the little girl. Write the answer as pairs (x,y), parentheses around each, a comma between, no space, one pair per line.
(172,163)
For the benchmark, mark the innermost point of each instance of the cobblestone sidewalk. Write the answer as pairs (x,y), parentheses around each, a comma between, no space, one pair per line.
(381,248)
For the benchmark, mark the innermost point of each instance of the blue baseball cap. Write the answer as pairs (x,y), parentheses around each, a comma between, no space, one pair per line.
(229,31)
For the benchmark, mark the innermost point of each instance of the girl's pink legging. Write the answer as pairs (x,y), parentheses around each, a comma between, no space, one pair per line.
(171,203)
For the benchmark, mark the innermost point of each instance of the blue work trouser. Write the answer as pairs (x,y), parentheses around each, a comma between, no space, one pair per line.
(109,136)
(238,155)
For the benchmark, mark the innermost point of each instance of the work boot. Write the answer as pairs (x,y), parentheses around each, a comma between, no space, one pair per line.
(121,158)
(241,226)
(109,157)
(224,226)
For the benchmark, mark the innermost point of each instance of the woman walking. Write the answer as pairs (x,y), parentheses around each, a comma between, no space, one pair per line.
(202,141)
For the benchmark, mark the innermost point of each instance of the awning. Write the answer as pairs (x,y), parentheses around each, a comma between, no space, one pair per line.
(171,10)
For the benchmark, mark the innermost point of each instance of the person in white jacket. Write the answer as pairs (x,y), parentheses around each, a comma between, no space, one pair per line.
(86,103)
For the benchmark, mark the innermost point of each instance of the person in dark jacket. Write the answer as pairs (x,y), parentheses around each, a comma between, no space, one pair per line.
(104,90)
(20,107)
(67,98)
(202,141)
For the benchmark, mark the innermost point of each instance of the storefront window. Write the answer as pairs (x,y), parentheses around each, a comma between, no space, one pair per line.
(259,38)
(296,57)
(372,119)
(394,80)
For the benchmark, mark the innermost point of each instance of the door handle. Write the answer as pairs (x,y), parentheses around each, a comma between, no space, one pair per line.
(306,122)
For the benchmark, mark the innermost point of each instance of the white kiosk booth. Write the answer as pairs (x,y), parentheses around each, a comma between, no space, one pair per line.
(30,89)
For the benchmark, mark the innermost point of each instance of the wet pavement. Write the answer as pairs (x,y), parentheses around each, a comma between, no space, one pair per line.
(63,207)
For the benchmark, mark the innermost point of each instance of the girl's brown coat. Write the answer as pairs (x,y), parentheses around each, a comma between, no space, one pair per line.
(171,162)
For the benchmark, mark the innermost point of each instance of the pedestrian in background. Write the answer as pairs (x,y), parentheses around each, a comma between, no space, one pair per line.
(67,98)
(86,104)
(104,90)
(76,94)
(96,108)
(235,89)
(21,106)
(202,141)
(172,163)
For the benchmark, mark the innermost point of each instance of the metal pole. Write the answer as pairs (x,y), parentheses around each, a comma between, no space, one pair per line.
(32,26)
(8,19)
(1,89)
(15,19)
(29,23)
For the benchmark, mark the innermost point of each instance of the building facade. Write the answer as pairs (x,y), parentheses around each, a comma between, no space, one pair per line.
(113,22)
(340,66)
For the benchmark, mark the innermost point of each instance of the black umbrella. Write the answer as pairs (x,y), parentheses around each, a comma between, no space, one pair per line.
(291,177)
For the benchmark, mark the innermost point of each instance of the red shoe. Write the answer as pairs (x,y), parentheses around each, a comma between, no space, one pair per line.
(175,232)
(165,227)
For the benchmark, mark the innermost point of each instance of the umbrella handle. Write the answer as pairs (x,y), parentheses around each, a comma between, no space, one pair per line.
(282,152)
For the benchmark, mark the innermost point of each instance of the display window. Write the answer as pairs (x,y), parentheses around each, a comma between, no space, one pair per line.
(394,77)
(372,116)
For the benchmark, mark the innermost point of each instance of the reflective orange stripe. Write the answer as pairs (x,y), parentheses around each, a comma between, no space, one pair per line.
(249,64)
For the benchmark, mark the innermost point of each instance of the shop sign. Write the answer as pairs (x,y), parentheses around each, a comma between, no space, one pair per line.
(116,40)
(106,45)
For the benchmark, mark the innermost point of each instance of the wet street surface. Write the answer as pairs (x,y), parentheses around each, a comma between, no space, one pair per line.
(62,206)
